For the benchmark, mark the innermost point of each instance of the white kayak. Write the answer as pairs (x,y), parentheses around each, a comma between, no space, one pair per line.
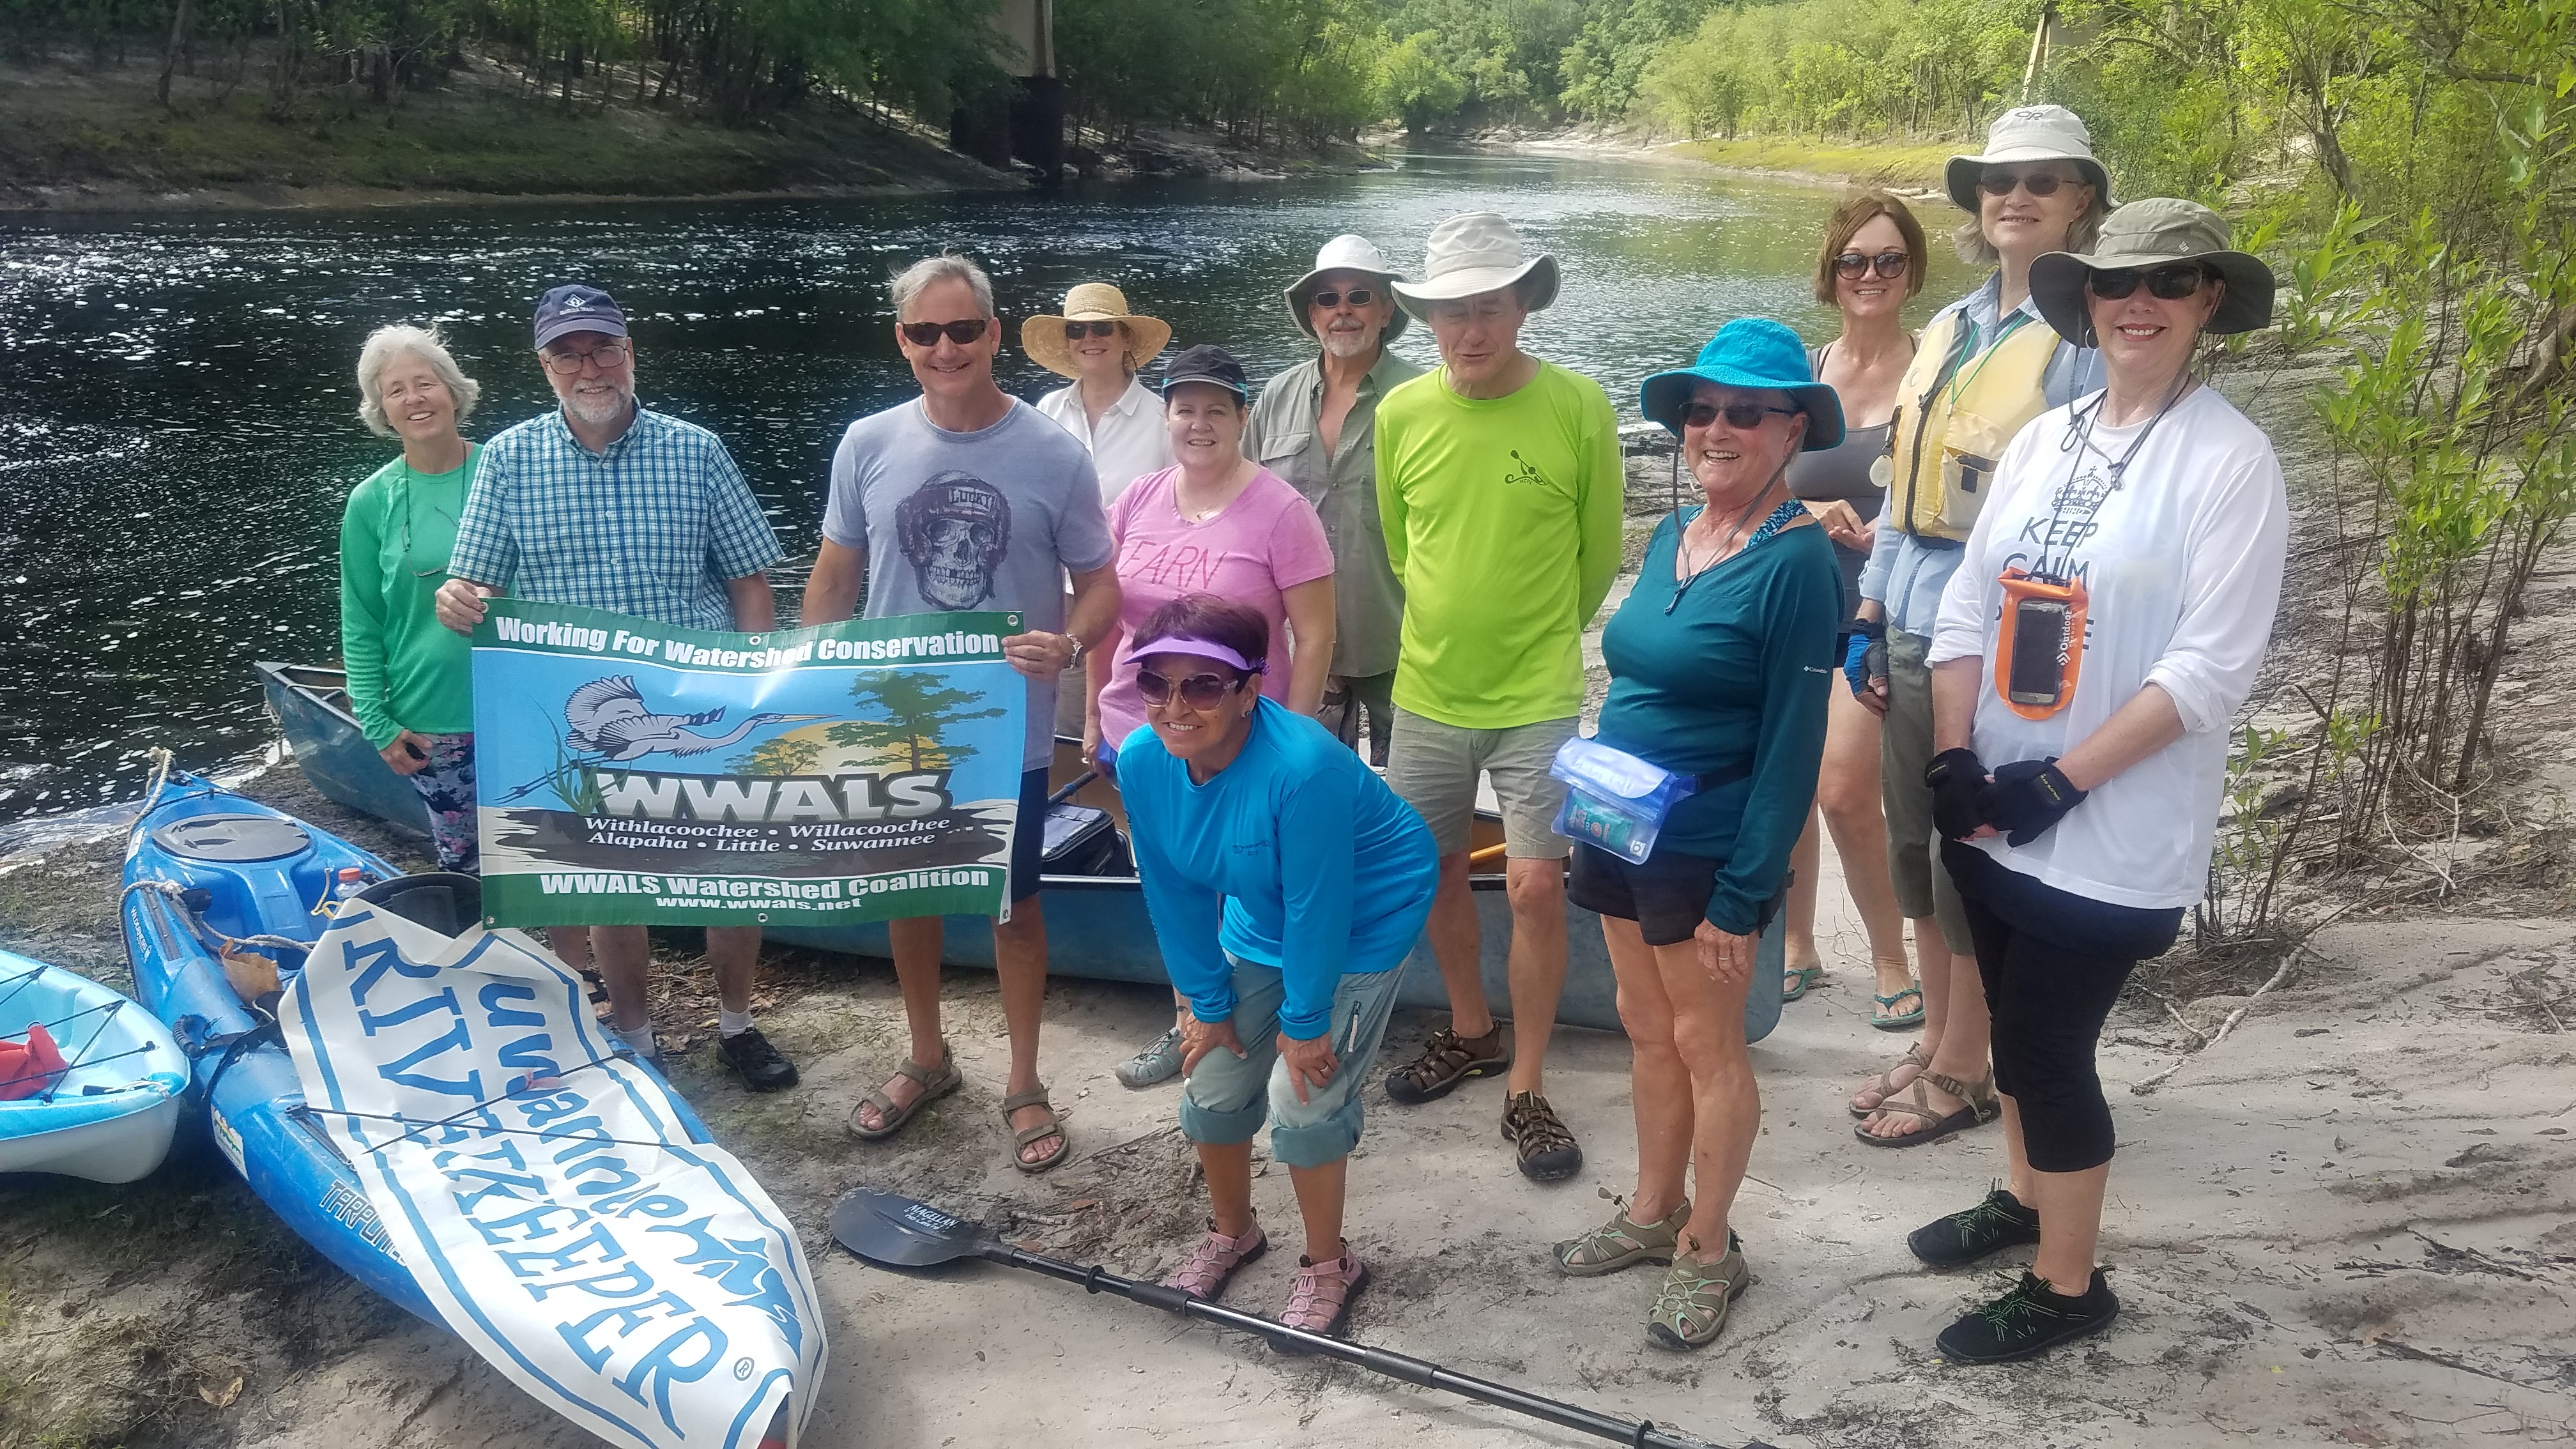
(107,1112)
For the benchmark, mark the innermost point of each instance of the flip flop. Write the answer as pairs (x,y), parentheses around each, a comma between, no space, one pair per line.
(1884,1021)
(1795,981)
(1035,1097)
(935,1083)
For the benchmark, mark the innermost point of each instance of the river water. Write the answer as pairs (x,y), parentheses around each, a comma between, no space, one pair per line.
(178,423)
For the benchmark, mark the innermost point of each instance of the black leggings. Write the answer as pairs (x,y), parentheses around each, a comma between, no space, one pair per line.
(2049,996)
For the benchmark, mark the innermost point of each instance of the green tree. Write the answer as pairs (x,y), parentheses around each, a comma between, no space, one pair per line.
(919,708)
(1417,85)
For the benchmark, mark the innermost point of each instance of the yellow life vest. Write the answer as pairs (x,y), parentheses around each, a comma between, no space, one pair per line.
(1954,415)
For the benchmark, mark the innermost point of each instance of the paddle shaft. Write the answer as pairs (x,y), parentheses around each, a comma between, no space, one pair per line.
(1376,1360)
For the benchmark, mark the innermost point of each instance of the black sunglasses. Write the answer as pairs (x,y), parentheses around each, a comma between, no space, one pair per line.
(1356,296)
(927,334)
(1852,266)
(1199,691)
(2000,181)
(1741,415)
(2172,283)
(1076,331)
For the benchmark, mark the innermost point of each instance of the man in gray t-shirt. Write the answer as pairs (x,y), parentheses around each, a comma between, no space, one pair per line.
(967,498)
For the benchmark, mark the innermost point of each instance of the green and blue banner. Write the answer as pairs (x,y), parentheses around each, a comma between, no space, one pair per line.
(630,773)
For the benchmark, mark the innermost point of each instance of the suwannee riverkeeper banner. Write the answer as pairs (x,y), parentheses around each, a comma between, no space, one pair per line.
(630,773)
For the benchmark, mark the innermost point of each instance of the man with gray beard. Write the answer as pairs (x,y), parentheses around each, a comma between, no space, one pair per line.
(1316,428)
(605,504)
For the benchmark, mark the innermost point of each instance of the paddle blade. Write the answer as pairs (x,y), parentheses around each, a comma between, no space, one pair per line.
(901,1233)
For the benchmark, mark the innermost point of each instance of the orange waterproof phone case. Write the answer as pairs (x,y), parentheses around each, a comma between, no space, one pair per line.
(2042,648)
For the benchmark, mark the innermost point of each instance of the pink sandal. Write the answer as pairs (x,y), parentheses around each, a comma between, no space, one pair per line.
(1320,1301)
(1203,1276)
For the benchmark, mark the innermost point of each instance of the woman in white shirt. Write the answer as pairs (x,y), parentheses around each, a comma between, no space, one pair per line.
(2105,623)
(1102,346)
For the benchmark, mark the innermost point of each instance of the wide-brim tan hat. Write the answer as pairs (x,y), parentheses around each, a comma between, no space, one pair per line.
(1472,254)
(2029,133)
(1345,253)
(2157,231)
(1043,339)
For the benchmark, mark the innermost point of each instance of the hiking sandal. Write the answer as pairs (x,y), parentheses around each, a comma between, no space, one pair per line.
(1884,1084)
(1982,1108)
(1204,1273)
(1621,1242)
(936,1082)
(1448,1059)
(1547,1150)
(1035,1097)
(1320,1300)
(1690,1311)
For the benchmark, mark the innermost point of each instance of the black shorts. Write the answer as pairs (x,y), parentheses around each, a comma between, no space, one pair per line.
(1028,838)
(1667,896)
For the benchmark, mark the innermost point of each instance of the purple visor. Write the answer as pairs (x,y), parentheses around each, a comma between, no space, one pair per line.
(1204,648)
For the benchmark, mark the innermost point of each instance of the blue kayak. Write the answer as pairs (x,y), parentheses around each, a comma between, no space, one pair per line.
(108,1113)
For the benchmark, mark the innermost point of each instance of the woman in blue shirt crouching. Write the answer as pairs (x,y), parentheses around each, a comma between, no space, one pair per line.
(1287,884)
(1719,661)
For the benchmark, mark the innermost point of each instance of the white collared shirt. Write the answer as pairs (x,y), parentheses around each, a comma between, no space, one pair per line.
(1128,444)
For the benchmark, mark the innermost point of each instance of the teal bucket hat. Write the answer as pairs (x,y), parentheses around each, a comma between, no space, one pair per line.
(1751,352)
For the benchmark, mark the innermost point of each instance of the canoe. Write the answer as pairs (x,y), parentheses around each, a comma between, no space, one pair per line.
(109,1113)
(1097,926)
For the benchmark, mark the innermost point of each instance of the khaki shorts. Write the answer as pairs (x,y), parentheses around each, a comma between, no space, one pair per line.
(1434,766)
(1905,747)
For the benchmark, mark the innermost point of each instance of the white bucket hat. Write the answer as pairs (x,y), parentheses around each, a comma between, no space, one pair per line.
(1344,253)
(1472,254)
(2030,133)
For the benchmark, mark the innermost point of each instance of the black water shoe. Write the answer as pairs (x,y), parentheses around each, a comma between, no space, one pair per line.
(762,1068)
(2031,1319)
(1997,1223)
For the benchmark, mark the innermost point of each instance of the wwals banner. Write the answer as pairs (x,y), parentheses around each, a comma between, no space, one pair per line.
(555,1203)
(635,774)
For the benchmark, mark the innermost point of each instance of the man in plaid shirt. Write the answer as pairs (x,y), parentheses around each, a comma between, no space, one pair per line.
(609,505)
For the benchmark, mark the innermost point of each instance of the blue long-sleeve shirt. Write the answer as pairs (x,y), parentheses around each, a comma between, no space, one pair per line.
(1730,678)
(1296,856)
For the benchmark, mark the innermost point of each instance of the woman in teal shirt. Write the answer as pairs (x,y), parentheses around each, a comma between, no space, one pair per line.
(410,679)
(1715,666)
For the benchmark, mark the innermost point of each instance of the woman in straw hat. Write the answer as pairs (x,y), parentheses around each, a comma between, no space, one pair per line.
(1984,367)
(2105,622)
(1713,661)
(1101,345)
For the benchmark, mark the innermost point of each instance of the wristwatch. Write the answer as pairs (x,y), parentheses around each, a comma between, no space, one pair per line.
(1079,649)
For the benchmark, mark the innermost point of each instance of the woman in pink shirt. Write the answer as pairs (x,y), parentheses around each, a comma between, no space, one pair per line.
(1214,523)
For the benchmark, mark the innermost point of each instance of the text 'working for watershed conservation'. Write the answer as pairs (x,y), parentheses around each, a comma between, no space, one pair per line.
(637,774)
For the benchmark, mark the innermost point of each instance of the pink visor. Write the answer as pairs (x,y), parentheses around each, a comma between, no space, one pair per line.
(1204,648)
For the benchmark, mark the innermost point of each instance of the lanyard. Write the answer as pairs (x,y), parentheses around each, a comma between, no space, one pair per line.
(2088,491)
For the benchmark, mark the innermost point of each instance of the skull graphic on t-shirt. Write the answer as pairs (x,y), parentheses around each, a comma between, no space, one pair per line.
(954,530)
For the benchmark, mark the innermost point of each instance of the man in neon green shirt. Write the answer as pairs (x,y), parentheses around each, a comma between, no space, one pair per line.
(1499,484)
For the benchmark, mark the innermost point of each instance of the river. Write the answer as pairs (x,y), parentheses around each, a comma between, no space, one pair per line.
(178,422)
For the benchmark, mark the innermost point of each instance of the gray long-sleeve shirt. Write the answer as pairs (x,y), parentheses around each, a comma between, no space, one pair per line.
(1368,604)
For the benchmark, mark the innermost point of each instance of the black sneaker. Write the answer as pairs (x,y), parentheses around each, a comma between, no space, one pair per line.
(2031,1319)
(1548,1152)
(1997,1223)
(762,1068)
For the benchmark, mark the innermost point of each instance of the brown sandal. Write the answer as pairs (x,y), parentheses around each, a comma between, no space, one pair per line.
(1981,1109)
(1053,1126)
(1885,1082)
(936,1082)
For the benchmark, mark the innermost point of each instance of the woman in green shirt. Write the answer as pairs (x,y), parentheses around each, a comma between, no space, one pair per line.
(410,679)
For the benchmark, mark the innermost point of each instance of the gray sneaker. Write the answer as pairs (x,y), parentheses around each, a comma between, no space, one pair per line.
(1157,1063)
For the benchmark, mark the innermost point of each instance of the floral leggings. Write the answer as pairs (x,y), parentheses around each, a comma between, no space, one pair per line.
(446,784)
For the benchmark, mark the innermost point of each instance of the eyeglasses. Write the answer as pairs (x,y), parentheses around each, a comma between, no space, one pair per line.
(2172,283)
(1356,296)
(1741,415)
(927,334)
(1199,691)
(609,355)
(1852,266)
(1076,331)
(2000,181)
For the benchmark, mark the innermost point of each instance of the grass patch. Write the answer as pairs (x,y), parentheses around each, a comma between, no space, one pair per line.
(1911,165)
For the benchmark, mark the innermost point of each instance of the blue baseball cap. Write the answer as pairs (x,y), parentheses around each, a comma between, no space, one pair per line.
(578,309)
(1749,352)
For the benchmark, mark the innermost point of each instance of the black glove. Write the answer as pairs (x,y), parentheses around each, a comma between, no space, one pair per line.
(1957,778)
(2027,799)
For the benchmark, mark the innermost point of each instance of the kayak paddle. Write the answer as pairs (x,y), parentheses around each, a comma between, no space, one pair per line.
(898,1232)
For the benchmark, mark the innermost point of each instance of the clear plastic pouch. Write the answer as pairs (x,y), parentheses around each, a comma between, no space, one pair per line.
(1613,800)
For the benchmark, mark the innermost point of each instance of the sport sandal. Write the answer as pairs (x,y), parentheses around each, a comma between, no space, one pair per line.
(1916,1056)
(936,1082)
(1547,1150)
(1690,1312)
(1053,1126)
(1621,1242)
(1204,1274)
(1320,1300)
(1981,1109)
(1448,1059)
